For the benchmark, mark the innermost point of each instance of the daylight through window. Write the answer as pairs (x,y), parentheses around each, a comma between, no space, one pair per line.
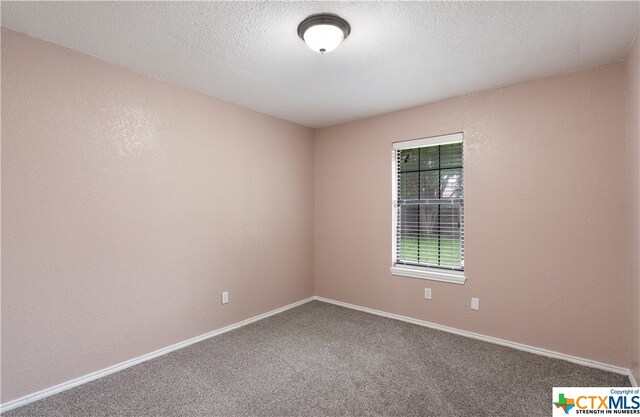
(429,203)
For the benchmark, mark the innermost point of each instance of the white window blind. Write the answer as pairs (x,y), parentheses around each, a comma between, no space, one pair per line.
(429,203)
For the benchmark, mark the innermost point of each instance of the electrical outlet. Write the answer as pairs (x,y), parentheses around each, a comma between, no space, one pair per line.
(475,303)
(427,293)
(225,297)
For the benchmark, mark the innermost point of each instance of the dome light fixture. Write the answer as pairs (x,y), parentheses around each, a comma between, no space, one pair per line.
(323,32)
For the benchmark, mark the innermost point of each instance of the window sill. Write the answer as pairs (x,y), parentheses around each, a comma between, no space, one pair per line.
(454,277)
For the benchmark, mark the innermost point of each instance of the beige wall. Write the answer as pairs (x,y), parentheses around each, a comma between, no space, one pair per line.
(129,204)
(633,163)
(545,214)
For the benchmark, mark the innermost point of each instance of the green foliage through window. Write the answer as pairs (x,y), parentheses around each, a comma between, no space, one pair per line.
(430,206)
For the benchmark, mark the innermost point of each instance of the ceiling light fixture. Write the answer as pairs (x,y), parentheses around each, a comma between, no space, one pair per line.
(323,32)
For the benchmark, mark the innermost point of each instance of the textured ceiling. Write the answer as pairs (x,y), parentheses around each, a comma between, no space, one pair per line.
(399,54)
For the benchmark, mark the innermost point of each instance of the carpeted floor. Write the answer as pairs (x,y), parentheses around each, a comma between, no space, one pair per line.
(323,360)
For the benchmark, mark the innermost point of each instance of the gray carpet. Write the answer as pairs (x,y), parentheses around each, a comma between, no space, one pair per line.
(323,360)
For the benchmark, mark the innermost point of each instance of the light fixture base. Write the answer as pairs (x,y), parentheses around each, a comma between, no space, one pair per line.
(324,19)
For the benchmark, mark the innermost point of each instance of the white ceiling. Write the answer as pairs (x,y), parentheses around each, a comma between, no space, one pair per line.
(399,54)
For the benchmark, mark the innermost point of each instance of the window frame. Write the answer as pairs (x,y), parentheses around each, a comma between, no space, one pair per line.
(415,271)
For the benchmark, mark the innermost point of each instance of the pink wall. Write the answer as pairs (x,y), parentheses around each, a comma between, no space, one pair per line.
(129,204)
(633,163)
(545,214)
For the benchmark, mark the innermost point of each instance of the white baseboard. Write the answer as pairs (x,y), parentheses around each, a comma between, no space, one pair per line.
(495,340)
(120,366)
(634,382)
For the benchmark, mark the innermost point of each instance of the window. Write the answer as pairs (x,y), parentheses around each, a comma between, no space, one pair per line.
(428,209)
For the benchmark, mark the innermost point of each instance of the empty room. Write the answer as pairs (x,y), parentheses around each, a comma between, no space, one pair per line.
(308,208)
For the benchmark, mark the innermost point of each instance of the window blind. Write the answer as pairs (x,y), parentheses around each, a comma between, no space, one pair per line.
(429,204)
